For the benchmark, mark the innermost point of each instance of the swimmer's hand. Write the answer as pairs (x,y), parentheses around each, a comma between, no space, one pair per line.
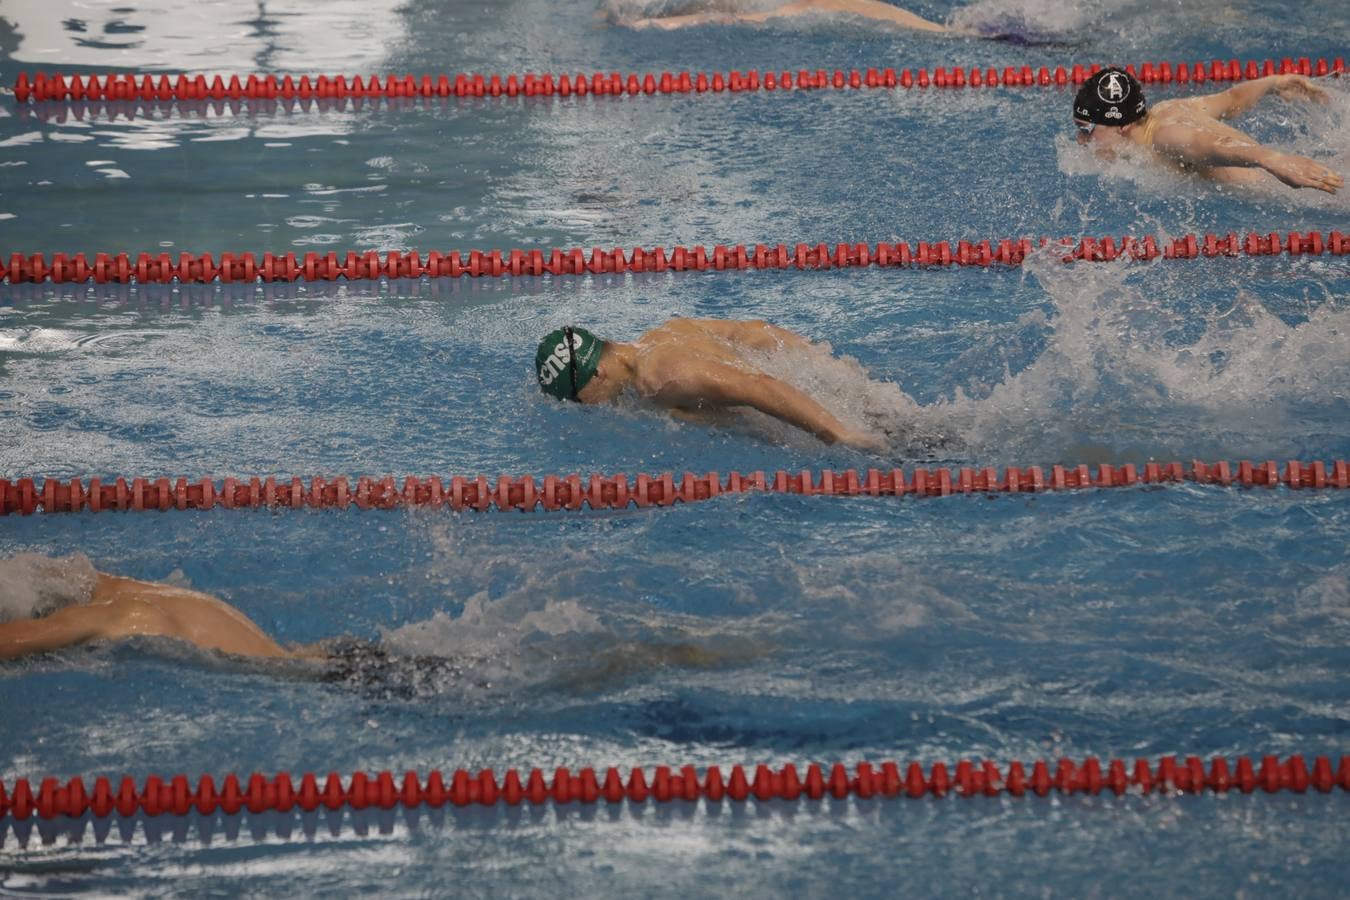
(1300,87)
(863,440)
(1301,172)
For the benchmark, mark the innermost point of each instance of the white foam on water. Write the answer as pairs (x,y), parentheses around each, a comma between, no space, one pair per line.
(1031,19)
(1109,367)
(546,621)
(1110,363)
(33,585)
(29,339)
(845,589)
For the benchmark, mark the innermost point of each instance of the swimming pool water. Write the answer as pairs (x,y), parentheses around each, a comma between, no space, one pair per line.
(748,629)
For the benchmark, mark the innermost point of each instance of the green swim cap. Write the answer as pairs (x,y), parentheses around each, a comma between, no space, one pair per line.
(561,371)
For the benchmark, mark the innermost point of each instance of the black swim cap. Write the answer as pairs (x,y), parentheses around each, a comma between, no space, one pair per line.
(1111,97)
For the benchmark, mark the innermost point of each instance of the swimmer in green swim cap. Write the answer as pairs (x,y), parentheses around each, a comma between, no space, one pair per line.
(694,368)
(563,372)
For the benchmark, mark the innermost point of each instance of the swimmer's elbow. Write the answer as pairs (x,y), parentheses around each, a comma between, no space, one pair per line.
(759,334)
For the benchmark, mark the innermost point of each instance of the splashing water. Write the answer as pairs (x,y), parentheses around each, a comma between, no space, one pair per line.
(32,585)
(1111,368)
(1103,368)
(546,623)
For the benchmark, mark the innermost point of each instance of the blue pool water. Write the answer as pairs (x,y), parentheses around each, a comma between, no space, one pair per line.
(749,629)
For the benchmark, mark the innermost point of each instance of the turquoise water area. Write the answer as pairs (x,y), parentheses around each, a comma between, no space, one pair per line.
(1122,623)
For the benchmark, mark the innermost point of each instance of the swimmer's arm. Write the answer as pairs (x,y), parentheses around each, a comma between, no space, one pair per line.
(709,383)
(870,9)
(63,628)
(1204,149)
(1242,97)
(669,22)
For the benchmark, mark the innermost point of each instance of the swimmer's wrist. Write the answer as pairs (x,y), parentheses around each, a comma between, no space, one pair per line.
(1268,157)
(1250,155)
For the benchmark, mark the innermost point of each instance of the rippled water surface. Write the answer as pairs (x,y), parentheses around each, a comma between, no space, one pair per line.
(747,629)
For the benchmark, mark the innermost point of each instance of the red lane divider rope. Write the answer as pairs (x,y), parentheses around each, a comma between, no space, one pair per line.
(57,86)
(463,788)
(161,268)
(553,492)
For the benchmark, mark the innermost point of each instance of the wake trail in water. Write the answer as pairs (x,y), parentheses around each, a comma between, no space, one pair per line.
(1105,373)
(1030,22)
(543,623)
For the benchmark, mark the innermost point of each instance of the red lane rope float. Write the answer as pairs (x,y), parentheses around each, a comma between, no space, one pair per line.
(162,268)
(25,496)
(58,86)
(257,793)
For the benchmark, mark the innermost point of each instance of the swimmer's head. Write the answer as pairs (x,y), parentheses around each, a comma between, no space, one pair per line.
(1112,98)
(566,361)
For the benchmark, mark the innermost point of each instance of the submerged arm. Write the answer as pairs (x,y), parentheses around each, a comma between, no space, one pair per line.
(1205,149)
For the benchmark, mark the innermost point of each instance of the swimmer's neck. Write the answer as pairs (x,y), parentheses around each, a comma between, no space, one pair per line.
(617,368)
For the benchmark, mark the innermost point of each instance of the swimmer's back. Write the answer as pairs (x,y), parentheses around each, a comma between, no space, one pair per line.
(685,351)
(137,608)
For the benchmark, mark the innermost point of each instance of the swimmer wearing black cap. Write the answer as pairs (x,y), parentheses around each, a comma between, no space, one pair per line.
(1188,133)
(694,368)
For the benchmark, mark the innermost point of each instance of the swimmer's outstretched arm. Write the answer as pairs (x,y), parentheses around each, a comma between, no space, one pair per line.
(685,21)
(1240,98)
(1204,149)
(697,385)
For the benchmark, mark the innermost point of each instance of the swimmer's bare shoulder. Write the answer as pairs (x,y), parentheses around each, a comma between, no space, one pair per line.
(1169,109)
(663,365)
(164,610)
